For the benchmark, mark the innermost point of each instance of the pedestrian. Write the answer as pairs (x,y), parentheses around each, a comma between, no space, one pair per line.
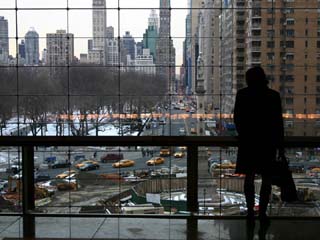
(259,123)
(147,151)
(143,153)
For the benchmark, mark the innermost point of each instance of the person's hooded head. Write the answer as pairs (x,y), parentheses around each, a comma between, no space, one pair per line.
(255,77)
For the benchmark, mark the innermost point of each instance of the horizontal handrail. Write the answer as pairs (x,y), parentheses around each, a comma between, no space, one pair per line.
(220,141)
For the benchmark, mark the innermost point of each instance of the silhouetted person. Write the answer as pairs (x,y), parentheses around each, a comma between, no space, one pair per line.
(259,123)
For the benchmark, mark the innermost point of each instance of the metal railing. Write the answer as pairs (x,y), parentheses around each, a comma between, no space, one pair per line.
(193,143)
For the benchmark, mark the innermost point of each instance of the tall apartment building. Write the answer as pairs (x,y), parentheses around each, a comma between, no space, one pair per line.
(60,48)
(97,54)
(194,6)
(4,41)
(283,37)
(226,58)
(206,37)
(32,47)
(165,56)
(188,57)
(232,52)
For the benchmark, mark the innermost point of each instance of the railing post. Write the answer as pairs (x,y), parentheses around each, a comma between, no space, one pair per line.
(192,191)
(28,191)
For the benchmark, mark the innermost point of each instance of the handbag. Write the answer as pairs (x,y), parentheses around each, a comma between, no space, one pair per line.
(282,177)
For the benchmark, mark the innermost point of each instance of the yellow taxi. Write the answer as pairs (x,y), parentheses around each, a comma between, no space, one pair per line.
(193,130)
(178,154)
(65,174)
(123,163)
(155,161)
(165,152)
(78,165)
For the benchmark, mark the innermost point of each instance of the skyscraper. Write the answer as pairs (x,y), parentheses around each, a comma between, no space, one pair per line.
(22,49)
(99,25)
(128,46)
(151,34)
(4,41)
(165,57)
(32,47)
(153,20)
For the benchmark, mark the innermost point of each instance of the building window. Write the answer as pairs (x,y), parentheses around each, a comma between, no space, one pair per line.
(270,55)
(289,101)
(288,124)
(270,44)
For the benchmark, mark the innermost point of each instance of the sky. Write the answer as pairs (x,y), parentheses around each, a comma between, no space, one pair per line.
(133,18)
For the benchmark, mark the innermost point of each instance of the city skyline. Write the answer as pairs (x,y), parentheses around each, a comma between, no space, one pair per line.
(79,23)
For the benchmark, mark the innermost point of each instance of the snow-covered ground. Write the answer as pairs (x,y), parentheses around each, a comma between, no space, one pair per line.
(106,128)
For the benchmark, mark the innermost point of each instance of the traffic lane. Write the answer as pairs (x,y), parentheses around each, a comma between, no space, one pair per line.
(140,164)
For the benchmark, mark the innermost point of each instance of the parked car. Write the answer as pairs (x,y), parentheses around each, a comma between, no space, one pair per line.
(123,163)
(111,157)
(179,154)
(89,166)
(155,161)
(78,165)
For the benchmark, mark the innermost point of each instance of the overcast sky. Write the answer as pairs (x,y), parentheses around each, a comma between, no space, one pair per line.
(80,20)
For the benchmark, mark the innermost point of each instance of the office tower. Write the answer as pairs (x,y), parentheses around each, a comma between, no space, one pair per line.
(22,49)
(99,21)
(165,56)
(60,48)
(4,41)
(128,45)
(32,47)
(151,34)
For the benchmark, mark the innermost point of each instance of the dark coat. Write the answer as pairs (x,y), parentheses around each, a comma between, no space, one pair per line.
(259,123)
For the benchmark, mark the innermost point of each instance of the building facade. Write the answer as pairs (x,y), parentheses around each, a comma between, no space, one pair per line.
(60,48)
(97,53)
(151,34)
(143,63)
(128,47)
(165,56)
